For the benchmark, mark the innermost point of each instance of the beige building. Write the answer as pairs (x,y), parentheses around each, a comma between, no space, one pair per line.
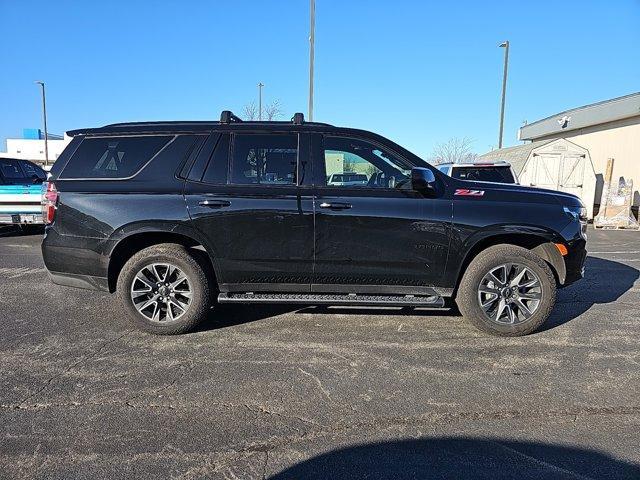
(608,129)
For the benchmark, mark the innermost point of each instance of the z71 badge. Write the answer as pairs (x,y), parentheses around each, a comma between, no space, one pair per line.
(469,193)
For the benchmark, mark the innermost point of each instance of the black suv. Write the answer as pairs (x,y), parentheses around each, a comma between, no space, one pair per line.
(176,216)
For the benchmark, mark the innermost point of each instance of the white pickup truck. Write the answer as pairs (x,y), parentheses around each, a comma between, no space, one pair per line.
(20,192)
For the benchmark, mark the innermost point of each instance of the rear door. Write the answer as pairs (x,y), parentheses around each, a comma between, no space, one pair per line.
(246,193)
(378,237)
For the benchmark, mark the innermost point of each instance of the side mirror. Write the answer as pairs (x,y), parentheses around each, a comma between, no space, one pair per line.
(423,180)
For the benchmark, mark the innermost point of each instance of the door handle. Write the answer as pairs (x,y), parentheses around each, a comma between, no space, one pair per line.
(214,203)
(335,205)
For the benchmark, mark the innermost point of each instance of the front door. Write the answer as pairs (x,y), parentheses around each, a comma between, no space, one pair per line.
(247,198)
(374,234)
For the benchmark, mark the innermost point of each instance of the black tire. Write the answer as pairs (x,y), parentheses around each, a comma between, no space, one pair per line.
(469,303)
(199,279)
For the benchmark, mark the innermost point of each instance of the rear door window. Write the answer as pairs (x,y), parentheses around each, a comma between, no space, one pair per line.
(484,174)
(113,157)
(11,173)
(216,171)
(265,159)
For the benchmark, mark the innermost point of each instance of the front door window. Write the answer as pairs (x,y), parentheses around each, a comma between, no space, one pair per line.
(355,163)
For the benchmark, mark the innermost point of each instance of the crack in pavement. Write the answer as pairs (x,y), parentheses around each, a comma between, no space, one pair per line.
(75,364)
(319,383)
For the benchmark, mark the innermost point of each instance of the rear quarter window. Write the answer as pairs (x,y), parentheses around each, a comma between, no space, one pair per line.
(113,157)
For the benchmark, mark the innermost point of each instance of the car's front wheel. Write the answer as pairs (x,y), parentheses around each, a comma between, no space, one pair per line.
(164,290)
(507,290)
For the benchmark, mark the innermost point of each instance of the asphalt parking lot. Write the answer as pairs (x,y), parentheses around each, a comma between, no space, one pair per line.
(275,392)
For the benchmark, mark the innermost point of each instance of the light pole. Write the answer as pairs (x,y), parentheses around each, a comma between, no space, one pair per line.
(260,85)
(312,38)
(504,45)
(44,115)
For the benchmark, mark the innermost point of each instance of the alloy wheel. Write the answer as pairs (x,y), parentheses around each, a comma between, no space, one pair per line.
(161,292)
(510,293)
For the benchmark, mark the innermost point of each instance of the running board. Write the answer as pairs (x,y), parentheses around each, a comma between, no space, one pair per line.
(334,299)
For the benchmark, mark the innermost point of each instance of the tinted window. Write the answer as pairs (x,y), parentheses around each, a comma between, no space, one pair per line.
(351,162)
(114,157)
(265,159)
(216,171)
(33,171)
(484,174)
(11,173)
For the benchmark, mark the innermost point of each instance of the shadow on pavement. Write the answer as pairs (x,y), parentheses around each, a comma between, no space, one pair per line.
(229,315)
(605,281)
(461,458)
(21,230)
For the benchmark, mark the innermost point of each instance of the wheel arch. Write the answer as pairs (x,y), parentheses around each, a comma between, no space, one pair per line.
(127,246)
(540,242)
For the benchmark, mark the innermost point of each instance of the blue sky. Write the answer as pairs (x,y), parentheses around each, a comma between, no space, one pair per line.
(418,72)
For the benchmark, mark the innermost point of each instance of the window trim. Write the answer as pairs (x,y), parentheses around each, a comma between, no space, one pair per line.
(232,152)
(191,156)
(117,179)
(351,188)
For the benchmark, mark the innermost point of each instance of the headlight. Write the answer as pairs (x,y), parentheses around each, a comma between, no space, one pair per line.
(576,213)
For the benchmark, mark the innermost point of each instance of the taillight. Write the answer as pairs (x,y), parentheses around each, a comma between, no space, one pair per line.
(49,201)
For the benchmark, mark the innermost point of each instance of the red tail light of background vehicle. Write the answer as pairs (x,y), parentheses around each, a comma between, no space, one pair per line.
(49,201)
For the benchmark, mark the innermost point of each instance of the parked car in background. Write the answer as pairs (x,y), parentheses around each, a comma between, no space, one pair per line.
(177,216)
(500,172)
(20,192)
(347,179)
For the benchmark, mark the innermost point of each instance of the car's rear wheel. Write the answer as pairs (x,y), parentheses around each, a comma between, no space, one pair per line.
(165,290)
(507,291)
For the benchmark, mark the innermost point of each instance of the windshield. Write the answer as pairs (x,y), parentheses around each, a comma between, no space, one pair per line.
(484,174)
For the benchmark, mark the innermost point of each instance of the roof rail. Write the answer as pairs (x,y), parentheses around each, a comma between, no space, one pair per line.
(227,116)
(298,118)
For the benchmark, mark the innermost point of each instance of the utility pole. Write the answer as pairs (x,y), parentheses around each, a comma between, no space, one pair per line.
(312,38)
(260,85)
(44,115)
(504,45)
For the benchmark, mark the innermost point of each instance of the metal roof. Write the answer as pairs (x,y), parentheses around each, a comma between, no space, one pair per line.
(517,156)
(581,117)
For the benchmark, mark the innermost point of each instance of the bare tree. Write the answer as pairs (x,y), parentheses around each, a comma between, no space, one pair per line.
(250,111)
(273,110)
(455,150)
(270,112)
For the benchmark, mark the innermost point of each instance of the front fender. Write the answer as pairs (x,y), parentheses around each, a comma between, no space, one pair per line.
(465,245)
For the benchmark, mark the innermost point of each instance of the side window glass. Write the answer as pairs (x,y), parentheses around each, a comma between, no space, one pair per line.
(356,163)
(113,157)
(32,171)
(216,171)
(265,159)
(12,173)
